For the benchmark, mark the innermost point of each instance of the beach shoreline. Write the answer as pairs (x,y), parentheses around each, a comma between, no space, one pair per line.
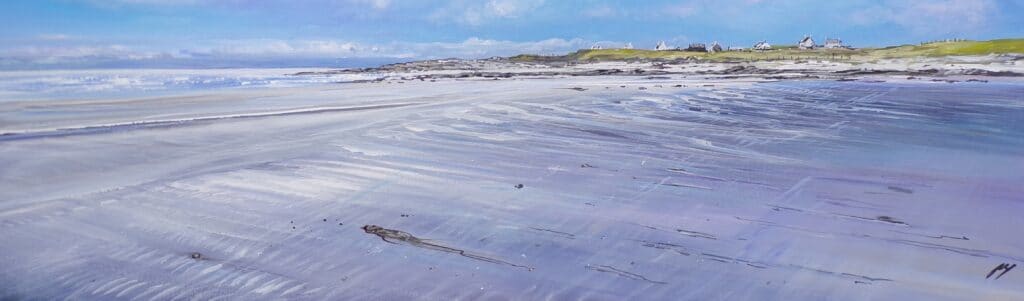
(1010,66)
(527,187)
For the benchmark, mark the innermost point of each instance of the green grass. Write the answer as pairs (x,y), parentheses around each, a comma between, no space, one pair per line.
(632,54)
(784,54)
(790,52)
(667,55)
(784,47)
(954,48)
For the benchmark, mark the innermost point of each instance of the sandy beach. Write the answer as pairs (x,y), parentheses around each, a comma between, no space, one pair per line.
(660,186)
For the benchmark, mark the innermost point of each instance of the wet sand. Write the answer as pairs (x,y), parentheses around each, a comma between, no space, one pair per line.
(687,189)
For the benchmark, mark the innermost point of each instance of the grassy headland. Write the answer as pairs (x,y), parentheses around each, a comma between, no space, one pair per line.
(959,48)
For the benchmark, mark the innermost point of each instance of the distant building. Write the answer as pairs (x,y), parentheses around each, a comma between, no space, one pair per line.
(834,44)
(715,47)
(944,41)
(610,45)
(737,48)
(806,43)
(698,47)
(661,46)
(762,46)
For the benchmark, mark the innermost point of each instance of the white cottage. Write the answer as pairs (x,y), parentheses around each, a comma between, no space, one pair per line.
(715,47)
(661,46)
(834,44)
(628,46)
(806,43)
(762,46)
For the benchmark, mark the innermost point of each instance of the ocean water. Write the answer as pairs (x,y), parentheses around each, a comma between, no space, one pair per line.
(122,83)
(519,190)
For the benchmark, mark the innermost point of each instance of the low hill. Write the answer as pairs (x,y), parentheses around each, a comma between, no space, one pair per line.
(954,48)
(958,48)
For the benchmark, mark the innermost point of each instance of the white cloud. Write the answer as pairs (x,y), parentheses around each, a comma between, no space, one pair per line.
(600,11)
(53,37)
(512,8)
(147,2)
(58,52)
(680,10)
(273,49)
(376,4)
(481,48)
(930,16)
(325,4)
(476,13)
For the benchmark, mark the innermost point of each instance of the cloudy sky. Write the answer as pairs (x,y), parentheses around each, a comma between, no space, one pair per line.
(258,33)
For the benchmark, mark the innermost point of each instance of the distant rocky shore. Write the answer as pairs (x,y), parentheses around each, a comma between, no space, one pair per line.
(941,69)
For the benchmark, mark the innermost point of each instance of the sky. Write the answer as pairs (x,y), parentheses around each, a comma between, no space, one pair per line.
(49,34)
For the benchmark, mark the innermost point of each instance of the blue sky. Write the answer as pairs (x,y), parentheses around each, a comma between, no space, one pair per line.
(234,33)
